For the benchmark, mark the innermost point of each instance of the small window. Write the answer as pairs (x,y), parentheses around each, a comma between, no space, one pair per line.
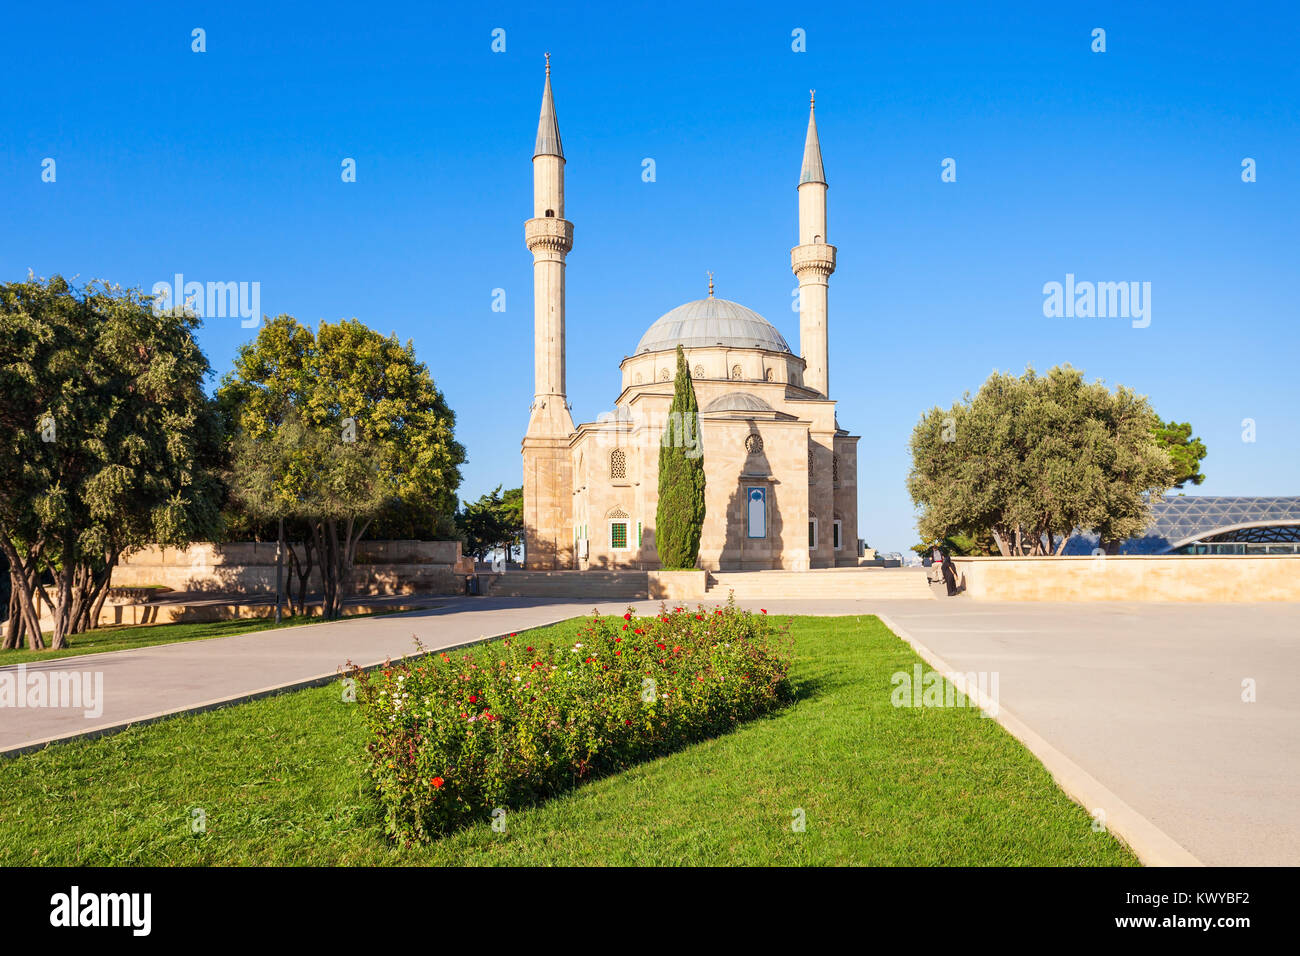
(812,534)
(618,535)
(699,371)
(835,535)
(736,373)
(618,463)
(550,213)
(835,467)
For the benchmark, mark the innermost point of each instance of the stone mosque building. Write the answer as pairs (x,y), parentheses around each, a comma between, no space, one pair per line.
(781,474)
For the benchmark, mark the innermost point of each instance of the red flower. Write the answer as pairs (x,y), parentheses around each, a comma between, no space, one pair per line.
(627,722)
(660,646)
(627,617)
(528,649)
(437,782)
(618,640)
(763,609)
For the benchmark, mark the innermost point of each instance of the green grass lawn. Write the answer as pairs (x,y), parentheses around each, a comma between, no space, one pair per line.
(282,781)
(103,639)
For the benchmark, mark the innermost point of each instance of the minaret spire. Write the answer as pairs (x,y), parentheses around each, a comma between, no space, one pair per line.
(812,171)
(548,128)
(813,260)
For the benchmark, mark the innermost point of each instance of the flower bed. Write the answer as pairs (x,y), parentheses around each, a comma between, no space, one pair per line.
(508,723)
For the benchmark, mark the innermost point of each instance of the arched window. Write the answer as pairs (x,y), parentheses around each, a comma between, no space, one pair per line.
(771,375)
(550,213)
(617,463)
(699,371)
(736,373)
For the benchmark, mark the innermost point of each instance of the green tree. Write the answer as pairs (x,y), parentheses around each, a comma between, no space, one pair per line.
(512,511)
(1185,451)
(679,518)
(336,428)
(493,521)
(107,444)
(1033,458)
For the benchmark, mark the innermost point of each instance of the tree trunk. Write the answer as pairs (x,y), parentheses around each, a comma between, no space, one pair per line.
(14,625)
(23,587)
(279,569)
(63,592)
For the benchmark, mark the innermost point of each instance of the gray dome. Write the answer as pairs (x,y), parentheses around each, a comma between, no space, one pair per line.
(707,322)
(738,402)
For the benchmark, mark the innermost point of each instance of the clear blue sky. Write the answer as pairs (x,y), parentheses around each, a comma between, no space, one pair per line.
(1120,166)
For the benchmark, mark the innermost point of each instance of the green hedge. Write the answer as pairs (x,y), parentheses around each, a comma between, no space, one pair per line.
(508,723)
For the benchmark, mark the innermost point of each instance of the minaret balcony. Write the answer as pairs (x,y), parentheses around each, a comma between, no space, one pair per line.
(815,257)
(548,233)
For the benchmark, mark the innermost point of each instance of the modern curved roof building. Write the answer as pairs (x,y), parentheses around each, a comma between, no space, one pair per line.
(1213,524)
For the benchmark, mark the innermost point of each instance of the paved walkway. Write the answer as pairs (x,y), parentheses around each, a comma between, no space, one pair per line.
(1147,699)
(1144,697)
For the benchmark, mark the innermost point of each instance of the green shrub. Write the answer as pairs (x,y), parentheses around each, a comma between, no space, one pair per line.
(509,723)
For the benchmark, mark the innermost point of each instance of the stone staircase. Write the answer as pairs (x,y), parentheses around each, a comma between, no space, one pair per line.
(822,584)
(578,585)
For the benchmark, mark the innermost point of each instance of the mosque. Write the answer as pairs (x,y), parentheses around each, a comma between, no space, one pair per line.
(781,474)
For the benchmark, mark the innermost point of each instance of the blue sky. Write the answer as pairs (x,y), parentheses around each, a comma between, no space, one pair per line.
(1115,166)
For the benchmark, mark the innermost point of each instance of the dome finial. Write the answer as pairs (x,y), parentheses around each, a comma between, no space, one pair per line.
(710,285)
(812,97)
(548,64)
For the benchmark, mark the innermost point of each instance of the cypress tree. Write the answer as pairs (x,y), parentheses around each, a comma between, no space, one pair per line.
(680,515)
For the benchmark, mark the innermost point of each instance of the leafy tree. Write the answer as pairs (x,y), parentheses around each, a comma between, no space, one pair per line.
(107,444)
(493,521)
(336,428)
(961,544)
(1185,451)
(1034,458)
(512,512)
(679,518)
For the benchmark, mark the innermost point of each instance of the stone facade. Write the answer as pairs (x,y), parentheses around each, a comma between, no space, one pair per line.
(781,475)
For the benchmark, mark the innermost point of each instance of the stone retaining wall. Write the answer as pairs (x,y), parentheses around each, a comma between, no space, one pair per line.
(382,567)
(1183,578)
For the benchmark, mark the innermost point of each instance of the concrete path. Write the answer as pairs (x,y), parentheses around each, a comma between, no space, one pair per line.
(1145,697)
(148,682)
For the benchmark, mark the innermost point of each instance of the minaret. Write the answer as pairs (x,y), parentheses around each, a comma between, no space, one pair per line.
(548,471)
(813,260)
